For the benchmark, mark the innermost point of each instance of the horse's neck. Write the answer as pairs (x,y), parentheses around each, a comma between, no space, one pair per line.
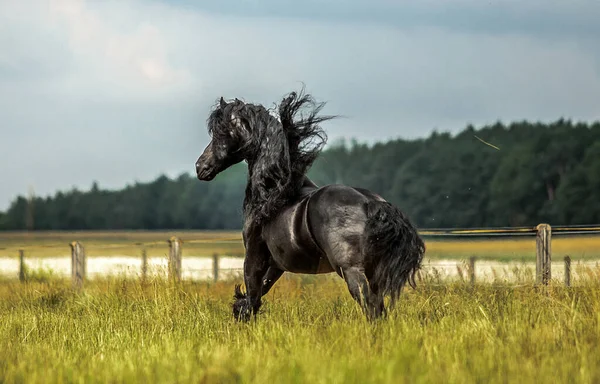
(251,202)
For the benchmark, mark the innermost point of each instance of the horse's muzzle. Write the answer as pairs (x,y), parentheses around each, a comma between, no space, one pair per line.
(205,172)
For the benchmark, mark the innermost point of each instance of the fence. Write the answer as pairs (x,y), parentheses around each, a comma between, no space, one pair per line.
(542,232)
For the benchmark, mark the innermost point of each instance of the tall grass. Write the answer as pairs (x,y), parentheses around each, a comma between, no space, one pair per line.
(310,331)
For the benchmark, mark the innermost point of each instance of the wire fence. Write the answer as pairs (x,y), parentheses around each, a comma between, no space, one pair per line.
(571,230)
(429,233)
(149,244)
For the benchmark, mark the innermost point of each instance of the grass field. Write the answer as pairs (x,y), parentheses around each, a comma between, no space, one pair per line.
(310,332)
(205,243)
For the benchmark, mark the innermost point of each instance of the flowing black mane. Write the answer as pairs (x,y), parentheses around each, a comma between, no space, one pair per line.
(278,152)
(305,136)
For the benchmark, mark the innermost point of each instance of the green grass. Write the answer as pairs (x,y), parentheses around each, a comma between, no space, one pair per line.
(310,332)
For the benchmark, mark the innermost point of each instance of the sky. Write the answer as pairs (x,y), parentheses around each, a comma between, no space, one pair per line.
(119,91)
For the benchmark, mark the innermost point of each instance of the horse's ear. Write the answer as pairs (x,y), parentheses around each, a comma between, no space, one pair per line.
(222,102)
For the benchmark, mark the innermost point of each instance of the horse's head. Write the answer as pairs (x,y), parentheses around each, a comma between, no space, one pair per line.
(230,138)
(279,149)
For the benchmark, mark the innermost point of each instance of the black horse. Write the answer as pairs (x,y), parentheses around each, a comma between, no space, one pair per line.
(291,224)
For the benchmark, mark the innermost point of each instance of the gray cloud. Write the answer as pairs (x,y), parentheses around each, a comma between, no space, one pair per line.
(542,18)
(115,91)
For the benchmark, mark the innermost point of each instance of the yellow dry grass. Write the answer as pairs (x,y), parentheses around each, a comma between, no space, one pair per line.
(120,243)
(205,243)
(521,248)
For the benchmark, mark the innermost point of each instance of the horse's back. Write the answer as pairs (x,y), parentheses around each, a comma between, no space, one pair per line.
(304,235)
(337,204)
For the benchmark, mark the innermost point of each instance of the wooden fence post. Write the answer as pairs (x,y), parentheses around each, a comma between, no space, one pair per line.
(472,270)
(215,267)
(567,271)
(144,264)
(543,265)
(77,264)
(21,265)
(175,259)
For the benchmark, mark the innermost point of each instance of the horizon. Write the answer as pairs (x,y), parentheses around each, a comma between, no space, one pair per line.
(345,141)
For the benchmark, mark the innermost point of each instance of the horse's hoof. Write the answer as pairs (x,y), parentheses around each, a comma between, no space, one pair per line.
(241,315)
(241,310)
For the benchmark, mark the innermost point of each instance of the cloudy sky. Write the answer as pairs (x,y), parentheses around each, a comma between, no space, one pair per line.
(118,91)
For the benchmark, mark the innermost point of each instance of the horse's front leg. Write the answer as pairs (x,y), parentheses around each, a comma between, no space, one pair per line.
(270,278)
(256,265)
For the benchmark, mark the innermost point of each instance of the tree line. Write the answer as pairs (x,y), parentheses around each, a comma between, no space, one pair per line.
(499,175)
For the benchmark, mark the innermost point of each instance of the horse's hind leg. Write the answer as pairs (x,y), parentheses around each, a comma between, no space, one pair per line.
(377,299)
(359,288)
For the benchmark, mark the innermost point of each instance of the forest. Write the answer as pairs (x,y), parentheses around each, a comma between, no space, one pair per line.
(516,174)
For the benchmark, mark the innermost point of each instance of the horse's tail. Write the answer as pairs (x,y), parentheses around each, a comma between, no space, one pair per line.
(392,247)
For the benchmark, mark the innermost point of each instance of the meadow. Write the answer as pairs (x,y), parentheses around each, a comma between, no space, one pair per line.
(131,330)
(310,331)
(205,243)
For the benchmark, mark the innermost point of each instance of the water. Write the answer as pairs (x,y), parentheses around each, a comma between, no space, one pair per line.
(201,268)
(194,268)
